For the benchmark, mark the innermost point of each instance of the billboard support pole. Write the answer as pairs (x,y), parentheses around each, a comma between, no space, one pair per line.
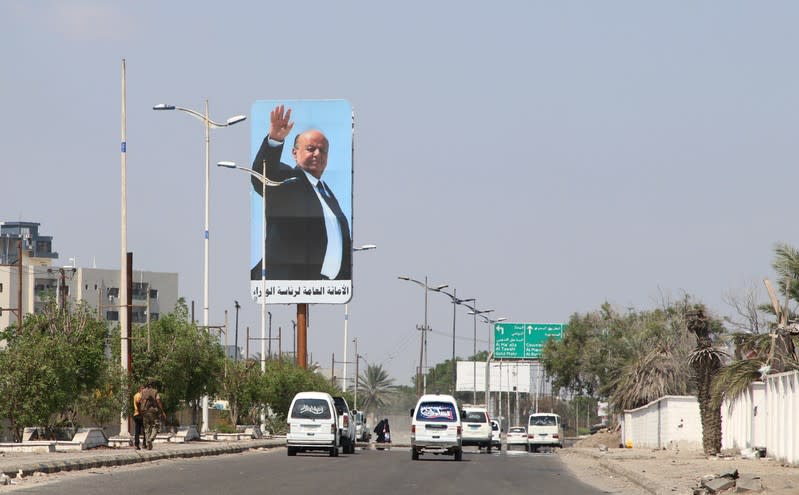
(302,335)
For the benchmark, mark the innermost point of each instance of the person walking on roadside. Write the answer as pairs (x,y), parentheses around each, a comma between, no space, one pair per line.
(152,410)
(138,421)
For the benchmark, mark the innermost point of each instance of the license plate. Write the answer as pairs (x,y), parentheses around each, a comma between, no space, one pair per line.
(310,434)
(543,434)
(436,436)
(474,427)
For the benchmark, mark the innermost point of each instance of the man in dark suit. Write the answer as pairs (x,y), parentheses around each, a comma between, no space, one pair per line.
(307,236)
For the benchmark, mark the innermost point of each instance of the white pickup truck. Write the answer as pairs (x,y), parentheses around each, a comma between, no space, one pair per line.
(346,425)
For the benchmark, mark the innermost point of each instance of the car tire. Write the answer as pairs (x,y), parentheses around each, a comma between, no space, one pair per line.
(458,455)
(488,448)
(414,455)
(291,451)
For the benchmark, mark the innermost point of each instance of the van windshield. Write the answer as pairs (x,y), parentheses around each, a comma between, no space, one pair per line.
(543,420)
(311,409)
(436,411)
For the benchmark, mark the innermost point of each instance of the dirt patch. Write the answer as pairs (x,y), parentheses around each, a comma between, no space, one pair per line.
(610,439)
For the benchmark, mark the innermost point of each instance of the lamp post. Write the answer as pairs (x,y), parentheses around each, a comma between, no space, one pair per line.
(423,345)
(474,311)
(489,322)
(455,302)
(236,343)
(208,125)
(264,183)
(365,247)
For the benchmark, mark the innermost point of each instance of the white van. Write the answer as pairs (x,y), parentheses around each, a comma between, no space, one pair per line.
(312,424)
(544,430)
(436,427)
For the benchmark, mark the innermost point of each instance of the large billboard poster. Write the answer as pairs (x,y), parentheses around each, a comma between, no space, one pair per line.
(302,150)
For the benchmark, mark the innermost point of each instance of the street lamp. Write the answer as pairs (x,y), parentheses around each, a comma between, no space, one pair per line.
(474,311)
(264,183)
(236,345)
(357,360)
(423,346)
(489,322)
(455,302)
(365,247)
(208,125)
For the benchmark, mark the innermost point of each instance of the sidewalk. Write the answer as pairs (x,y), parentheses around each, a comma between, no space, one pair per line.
(13,463)
(662,472)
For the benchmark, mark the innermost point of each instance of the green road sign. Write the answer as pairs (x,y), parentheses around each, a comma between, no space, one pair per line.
(524,340)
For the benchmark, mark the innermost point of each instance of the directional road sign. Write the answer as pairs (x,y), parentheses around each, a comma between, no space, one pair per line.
(524,340)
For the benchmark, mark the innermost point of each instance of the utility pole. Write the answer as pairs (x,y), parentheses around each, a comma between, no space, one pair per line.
(357,359)
(236,344)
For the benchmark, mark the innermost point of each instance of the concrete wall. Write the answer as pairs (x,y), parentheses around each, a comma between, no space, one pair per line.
(667,422)
(782,410)
(743,421)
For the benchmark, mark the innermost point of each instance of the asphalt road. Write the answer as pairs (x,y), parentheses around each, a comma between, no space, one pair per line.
(365,472)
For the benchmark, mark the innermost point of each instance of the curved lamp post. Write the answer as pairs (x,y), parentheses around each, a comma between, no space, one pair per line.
(455,302)
(365,247)
(474,311)
(423,351)
(264,183)
(208,125)
(489,322)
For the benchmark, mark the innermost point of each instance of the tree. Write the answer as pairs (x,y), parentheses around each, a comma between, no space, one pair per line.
(51,363)
(284,379)
(242,388)
(629,359)
(376,386)
(184,359)
(705,360)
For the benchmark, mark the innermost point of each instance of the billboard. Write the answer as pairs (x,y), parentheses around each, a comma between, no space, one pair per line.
(302,163)
(502,376)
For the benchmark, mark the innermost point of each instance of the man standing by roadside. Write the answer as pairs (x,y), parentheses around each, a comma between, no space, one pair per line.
(138,421)
(152,410)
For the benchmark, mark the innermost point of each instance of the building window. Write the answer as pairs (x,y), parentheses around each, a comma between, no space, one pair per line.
(153,293)
(1,287)
(112,292)
(153,316)
(112,315)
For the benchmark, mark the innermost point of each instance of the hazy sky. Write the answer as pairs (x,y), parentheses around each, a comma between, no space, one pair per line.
(543,157)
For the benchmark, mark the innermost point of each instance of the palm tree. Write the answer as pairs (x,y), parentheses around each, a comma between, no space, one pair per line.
(377,387)
(705,360)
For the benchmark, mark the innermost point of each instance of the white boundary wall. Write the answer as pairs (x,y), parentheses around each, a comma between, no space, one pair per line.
(670,421)
(782,407)
(743,421)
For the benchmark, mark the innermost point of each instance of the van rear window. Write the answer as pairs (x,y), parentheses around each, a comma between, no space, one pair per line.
(474,417)
(311,409)
(436,411)
(543,420)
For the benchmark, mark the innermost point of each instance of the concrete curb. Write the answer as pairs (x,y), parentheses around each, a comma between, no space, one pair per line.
(88,461)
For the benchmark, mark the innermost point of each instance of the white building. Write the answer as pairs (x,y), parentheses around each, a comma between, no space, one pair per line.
(153,293)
